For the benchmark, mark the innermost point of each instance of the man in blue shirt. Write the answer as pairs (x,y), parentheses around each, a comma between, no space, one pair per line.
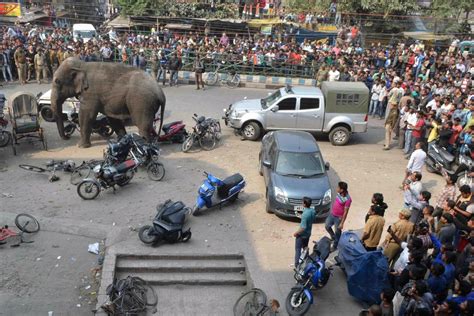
(303,233)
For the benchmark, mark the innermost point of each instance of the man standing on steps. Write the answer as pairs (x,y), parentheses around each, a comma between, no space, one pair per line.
(303,233)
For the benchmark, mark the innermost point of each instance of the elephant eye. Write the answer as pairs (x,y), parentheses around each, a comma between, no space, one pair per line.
(57,81)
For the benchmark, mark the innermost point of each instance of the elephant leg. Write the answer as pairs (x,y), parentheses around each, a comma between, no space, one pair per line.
(86,119)
(145,126)
(117,126)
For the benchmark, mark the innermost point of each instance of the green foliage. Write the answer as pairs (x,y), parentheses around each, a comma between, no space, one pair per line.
(378,6)
(451,9)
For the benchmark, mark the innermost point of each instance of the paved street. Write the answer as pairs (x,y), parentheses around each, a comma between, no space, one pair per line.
(244,227)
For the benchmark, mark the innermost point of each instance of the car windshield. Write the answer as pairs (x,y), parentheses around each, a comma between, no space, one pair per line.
(266,102)
(304,165)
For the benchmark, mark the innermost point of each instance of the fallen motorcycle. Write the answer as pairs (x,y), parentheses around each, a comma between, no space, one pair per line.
(174,132)
(227,191)
(100,126)
(168,224)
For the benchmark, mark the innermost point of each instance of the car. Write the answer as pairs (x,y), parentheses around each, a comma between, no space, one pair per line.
(293,167)
(338,109)
(44,106)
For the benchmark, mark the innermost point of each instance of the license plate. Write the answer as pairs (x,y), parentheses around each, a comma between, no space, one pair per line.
(298,208)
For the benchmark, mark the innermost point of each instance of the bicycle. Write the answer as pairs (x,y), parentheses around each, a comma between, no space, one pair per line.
(254,303)
(84,170)
(202,133)
(51,166)
(230,79)
(25,223)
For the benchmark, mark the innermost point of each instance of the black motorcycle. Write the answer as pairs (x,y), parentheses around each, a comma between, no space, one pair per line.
(168,224)
(438,158)
(133,145)
(205,132)
(100,126)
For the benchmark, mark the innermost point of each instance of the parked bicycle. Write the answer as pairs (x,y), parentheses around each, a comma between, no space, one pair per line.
(25,223)
(254,303)
(204,133)
(230,79)
(52,166)
(130,296)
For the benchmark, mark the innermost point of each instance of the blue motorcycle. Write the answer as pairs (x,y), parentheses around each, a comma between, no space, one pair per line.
(311,273)
(227,190)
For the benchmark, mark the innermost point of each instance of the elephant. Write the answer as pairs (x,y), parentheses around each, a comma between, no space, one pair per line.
(118,91)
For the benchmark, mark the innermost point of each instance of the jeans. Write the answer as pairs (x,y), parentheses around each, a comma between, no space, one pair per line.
(6,69)
(373,107)
(300,243)
(408,141)
(331,221)
(173,77)
(160,72)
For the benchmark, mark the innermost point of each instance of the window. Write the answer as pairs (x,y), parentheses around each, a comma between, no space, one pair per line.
(309,103)
(347,99)
(288,104)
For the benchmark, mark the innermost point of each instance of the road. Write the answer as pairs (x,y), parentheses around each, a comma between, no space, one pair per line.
(243,227)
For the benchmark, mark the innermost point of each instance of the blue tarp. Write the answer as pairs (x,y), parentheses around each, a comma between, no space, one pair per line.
(366,271)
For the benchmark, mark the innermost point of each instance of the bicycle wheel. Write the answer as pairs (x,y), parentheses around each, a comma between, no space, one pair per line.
(211,78)
(251,303)
(233,81)
(208,140)
(88,190)
(151,296)
(80,173)
(32,168)
(27,223)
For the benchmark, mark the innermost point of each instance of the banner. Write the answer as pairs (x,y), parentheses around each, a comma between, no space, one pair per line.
(10,9)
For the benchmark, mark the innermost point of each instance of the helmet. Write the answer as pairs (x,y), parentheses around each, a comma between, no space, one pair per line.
(69,165)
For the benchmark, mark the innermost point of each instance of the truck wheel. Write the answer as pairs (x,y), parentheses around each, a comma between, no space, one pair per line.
(339,136)
(251,131)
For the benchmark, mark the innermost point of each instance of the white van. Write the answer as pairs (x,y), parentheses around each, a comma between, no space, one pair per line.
(85,31)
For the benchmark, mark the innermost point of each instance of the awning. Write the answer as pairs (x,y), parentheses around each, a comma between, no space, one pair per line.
(426,36)
(178,26)
(120,21)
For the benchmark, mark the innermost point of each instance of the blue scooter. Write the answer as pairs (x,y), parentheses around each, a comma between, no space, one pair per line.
(227,190)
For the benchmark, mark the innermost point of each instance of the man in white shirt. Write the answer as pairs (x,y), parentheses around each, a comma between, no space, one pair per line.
(433,103)
(411,121)
(417,159)
(333,74)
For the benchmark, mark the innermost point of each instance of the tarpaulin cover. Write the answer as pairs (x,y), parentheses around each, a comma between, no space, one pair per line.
(366,271)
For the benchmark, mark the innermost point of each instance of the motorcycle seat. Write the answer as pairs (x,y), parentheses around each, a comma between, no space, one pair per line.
(446,155)
(229,183)
(166,127)
(124,166)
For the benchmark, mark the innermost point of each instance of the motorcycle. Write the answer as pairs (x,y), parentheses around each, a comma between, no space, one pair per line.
(463,171)
(168,224)
(227,190)
(438,158)
(148,154)
(203,133)
(5,136)
(174,132)
(107,176)
(310,273)
(100,126)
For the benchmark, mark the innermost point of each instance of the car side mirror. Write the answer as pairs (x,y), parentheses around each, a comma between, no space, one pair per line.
(275,108)
(269,93)
(267,164)
(327,166)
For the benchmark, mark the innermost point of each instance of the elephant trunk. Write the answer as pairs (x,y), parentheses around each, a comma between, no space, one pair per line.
(57,108)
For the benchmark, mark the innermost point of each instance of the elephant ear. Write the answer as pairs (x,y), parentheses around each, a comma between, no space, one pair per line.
(80,82)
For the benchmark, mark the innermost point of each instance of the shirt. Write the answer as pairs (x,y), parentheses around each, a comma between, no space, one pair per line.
(333,75)
(446,234)
(340,203)
(373,228)
(402,260)
(402,228)
(417,133)
(307,220)
(417,161)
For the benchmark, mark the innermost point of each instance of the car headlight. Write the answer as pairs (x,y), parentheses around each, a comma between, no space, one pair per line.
(280,195)
(327,197)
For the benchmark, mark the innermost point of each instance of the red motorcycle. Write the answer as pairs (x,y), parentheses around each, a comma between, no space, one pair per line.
(174,132)
(4,135)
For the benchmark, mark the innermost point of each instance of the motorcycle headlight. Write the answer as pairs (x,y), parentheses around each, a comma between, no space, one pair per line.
(327,197)
(97,169)
(280,195)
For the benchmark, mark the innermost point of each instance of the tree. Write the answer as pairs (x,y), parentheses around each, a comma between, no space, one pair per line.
(140,7)
(385,7)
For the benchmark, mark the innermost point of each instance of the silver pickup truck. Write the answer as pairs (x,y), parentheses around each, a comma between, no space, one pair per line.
(338,108)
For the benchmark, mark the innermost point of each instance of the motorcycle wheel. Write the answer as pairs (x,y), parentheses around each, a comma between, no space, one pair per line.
(297,303)
(144,235)
(4,138)
(106,131)
(208,140)
(186,236)
(155,171)
(463,179)
(188,143)
(196,210)
(126,180)
(88,190)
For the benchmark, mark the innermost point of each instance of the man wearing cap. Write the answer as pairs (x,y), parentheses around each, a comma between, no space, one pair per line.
(397,233)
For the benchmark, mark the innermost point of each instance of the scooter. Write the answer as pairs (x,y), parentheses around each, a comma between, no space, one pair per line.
(227,190)
(168,224)
(310,273)
(5,136)
(439,158)
(174,132)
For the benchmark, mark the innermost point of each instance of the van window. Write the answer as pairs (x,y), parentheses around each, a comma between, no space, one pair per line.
(309,103)
(288,104)
(347,99)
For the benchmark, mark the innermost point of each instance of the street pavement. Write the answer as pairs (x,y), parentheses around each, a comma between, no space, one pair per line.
(244,227)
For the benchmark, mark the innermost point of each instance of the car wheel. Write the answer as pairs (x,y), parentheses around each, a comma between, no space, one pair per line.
(47,113)
(339,136)
(251,131)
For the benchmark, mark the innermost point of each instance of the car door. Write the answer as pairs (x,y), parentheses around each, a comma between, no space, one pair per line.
(268,146)
(284,117)
(310,114)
